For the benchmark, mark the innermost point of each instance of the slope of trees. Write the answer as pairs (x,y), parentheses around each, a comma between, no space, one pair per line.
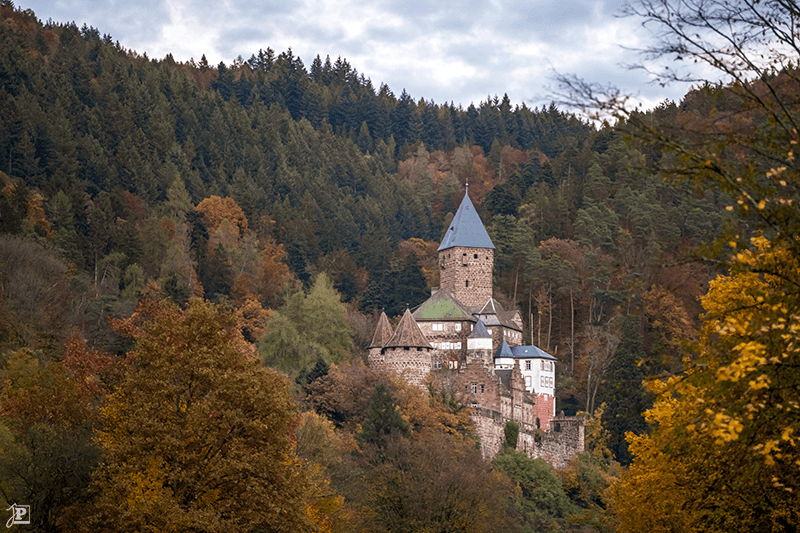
(302,200)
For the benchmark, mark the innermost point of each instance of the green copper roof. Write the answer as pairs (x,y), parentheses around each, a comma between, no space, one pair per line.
(442,306)
(466,230)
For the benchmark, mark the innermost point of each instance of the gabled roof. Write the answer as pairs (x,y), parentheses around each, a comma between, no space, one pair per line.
(466,229)
(407,334)
(531,352)
(491,307)
(479,332)
(493,314)
(383,332)
(442,305)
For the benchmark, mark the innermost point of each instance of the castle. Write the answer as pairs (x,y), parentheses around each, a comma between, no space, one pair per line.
(463,331)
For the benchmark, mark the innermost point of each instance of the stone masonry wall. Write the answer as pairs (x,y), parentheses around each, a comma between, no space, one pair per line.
(557,446)
(468,277)
(411,364)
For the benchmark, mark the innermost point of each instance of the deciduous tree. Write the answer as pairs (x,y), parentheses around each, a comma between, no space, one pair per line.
(198,436)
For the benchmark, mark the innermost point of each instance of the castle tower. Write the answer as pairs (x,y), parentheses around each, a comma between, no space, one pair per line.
(383,333)
(479,346)
(466,257)
(407,353)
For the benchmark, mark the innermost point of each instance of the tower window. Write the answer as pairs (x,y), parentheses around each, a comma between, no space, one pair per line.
(466,283)
(475,256)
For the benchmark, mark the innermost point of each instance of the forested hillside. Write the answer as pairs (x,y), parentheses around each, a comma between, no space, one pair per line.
(278,208)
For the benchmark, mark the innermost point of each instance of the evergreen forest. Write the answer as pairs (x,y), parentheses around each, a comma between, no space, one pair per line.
(193,259)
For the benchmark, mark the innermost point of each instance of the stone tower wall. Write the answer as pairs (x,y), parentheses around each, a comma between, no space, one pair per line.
(467,273)
(411,364)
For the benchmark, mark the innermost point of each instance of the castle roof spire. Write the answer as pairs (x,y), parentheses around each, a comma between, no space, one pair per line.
(407,334)
(383,332)
(466,229)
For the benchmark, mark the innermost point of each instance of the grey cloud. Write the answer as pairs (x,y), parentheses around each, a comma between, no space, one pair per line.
(493,37)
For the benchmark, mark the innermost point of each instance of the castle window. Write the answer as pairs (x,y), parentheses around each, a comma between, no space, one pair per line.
(474,387)
(482,388)
(475,256)
(437,365)
(458,326)
(438,327)
(527,382)
(528,365)
(466,283)
(474,405)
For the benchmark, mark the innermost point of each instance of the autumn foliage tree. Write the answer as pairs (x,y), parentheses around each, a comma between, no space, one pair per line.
(198,436)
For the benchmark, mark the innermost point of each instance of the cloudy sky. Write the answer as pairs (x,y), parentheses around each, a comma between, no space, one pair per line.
(460,51)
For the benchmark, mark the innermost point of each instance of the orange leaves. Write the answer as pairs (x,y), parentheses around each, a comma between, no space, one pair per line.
(216,209)
(93,370)
(274,270)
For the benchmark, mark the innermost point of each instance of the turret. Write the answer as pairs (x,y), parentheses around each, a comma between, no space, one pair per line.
(407,353)
(479,346)
(383,333)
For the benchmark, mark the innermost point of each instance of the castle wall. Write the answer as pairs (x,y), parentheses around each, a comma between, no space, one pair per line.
(411,364)
(467,273)
(557,446)
(488,389)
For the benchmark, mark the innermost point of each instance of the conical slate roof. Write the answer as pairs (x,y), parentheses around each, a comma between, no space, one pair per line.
(383,332)
(504,350)
(466,229)
(407,334)
(480,332)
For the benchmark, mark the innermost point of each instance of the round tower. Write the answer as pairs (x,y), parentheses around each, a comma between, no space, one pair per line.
(479,346)
(407,353)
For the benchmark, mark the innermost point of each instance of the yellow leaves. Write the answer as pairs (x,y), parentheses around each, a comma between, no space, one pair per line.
(726,428)
(780,170)
(146,487)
